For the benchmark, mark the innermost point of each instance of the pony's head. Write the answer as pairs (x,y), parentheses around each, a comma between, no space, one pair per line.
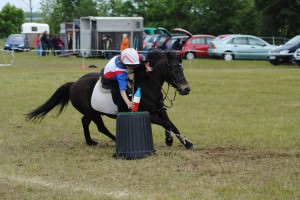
(175,73)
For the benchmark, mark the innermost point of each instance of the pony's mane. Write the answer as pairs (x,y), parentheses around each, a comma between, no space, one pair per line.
(154,56)
(174,55)
(157,55)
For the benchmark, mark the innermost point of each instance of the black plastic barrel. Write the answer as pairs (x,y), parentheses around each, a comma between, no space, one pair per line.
(134,136)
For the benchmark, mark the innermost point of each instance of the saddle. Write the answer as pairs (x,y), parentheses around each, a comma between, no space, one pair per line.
(106,97)
(102,101)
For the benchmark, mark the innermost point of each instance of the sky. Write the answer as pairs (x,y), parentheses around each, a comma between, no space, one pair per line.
(22,4)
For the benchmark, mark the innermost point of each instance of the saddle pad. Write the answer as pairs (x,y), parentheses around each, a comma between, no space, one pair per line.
(102,100)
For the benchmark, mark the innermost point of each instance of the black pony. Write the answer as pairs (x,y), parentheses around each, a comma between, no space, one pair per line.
(166,68)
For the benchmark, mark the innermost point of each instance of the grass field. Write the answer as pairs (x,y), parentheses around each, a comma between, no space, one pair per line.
(243,116)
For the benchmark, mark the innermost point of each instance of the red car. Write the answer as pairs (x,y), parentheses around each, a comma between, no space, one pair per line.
(196,46)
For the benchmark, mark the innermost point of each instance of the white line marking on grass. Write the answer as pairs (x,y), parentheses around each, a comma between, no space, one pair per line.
(64,186)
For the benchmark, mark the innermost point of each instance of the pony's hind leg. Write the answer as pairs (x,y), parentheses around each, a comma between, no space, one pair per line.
(102,128)
(85,124)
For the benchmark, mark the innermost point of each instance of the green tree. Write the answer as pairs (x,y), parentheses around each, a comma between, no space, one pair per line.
(197,16)
(222,17)
(257,17)
(55,12)
(156,13)
(279,17)
(11,19)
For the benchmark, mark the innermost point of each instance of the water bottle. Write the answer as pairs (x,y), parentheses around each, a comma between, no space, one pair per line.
(136,100)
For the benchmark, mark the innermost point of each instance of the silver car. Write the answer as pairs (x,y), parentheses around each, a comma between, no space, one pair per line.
(296,57)
(240,47)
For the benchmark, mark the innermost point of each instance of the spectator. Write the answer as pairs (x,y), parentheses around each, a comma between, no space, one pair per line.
(60,44)
(54,45)
(38,44)
(107,43)
(45,43)
(125,42)
(49,49)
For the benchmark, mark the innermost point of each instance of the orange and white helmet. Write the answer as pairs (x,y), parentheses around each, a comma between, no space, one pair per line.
(130,56)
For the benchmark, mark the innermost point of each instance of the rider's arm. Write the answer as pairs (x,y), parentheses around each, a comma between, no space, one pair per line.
(122,80)
(125,98)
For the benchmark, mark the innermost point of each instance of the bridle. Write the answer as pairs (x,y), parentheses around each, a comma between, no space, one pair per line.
(172,100)
(172,70)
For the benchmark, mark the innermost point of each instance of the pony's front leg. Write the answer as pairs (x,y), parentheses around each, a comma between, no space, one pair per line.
(169,137)
(161,118)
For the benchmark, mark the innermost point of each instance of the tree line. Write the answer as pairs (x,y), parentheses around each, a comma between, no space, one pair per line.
(258,17)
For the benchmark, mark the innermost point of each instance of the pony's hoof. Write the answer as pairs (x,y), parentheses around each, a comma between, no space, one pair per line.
(92,143)
(169,141)
(189,145)
(193,147)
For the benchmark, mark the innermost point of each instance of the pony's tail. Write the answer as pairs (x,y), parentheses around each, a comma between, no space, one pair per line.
(60,97)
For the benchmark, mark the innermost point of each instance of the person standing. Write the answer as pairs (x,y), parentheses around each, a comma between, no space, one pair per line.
(44,42)
(49,47)
(107,43)
(54,45)
(38,44)
(60,44)
(125,42)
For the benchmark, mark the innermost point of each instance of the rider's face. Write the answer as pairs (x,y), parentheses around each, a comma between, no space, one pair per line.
(131,67)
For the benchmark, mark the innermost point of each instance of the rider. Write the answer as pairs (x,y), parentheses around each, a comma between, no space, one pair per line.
(115,75)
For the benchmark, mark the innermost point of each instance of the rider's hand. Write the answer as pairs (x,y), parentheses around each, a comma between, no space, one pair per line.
(130,105)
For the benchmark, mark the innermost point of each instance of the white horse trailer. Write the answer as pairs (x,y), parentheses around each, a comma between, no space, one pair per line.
(70,32)
(31,30)
(102,36)
(66,32)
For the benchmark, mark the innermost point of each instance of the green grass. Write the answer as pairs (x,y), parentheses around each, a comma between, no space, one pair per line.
(2,43)
(243,116)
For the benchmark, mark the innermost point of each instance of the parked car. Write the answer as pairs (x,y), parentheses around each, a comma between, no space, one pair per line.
(154,31)
(284,53)
(155,41)
(219,37)
(16,42)
(240,47)
(189,45)
(197,46)
(144,35)
(296,57)
(176,42)
(149,30)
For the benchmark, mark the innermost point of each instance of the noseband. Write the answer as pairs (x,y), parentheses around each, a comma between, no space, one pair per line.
(173,71)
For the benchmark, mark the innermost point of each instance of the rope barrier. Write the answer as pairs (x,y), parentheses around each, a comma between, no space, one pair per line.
(8,57)
(118,51)
(3,59)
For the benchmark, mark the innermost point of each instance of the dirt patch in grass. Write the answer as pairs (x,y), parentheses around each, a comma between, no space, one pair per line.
(241,153)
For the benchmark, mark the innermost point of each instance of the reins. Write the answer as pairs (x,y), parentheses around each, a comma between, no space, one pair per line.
(166,97)
(165,92)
